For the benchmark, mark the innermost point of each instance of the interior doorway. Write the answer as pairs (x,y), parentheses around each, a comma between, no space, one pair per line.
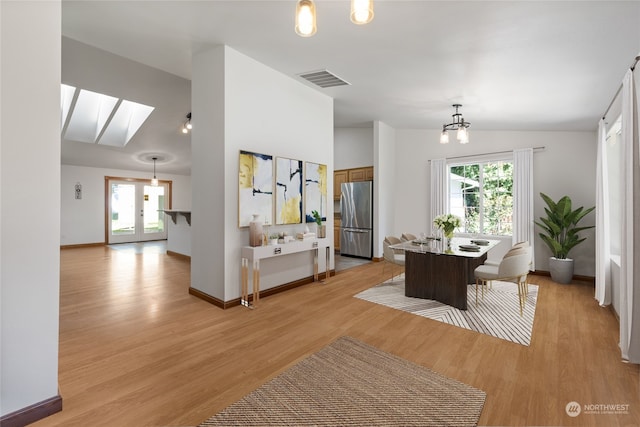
(134,210)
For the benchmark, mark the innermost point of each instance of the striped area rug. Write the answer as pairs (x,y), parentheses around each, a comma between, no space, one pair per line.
(350,383)
(497,315)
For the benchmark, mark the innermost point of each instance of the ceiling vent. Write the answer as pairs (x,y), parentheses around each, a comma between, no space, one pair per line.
(323,78)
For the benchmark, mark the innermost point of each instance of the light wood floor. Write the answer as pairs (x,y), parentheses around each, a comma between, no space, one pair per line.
(137,350)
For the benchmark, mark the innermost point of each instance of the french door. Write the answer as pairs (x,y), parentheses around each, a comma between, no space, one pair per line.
(134,211)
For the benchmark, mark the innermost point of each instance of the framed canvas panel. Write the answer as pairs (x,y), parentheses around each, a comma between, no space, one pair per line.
(255,188)
(315,191)
(288,191)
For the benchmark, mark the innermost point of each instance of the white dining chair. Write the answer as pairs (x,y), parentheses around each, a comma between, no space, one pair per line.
(391,257)
(514,267)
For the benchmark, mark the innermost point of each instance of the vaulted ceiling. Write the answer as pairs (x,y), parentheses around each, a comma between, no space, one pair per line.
(514,65)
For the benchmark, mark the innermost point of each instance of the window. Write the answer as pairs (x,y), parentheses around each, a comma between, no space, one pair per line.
(482,195)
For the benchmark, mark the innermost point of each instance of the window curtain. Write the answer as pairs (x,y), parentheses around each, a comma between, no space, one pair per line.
(523,198)
(630,244)
(439,189)
(603,242)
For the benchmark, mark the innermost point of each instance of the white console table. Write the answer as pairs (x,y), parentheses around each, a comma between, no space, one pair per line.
(255,254)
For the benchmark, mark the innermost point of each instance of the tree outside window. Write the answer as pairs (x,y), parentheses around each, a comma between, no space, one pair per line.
(482,195)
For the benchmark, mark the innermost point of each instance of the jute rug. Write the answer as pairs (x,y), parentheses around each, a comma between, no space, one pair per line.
(498,314)
(350,383)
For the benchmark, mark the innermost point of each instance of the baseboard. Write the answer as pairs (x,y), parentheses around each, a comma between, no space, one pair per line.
(377,259)
(265,293)
(589,279)
(208,298)
(32,413)
(82,245)
(179,255)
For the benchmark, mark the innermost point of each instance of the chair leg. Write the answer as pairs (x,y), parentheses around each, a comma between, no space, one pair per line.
(477,291)
(521,294)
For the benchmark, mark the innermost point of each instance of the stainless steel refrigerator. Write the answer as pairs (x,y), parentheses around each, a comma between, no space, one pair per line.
(356,227)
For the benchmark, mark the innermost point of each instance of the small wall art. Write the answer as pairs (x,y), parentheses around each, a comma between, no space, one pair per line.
(315,191)
(255,188)
(288,191)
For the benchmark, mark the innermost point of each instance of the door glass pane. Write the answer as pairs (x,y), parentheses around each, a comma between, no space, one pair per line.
(123,209)
(153,202)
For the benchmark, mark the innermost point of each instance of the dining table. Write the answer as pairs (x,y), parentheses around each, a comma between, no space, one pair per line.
(442,272)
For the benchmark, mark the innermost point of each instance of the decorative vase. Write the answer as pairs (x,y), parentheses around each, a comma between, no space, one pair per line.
(448,237)
(322,232)
(561,270)
(255,231)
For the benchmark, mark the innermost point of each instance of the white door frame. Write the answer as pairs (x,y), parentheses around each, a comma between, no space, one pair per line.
(139,234)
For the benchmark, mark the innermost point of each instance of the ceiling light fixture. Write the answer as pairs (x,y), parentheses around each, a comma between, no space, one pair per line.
(361,11)
(306,18)
(187,125)
(154,181)
(458,124)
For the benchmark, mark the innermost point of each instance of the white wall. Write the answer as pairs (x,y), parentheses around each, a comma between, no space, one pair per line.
(29,202)
(353,147)
(565,167)
(267,112)
(82,221)
(384,183)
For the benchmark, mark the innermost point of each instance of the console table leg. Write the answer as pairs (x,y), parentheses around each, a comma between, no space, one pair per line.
(256,281)
(315,265)
(327,269)
(244,299)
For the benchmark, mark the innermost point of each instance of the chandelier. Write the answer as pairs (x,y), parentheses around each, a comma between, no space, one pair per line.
(459,125)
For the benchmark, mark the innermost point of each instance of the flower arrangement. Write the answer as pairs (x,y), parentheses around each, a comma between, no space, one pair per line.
(448,223)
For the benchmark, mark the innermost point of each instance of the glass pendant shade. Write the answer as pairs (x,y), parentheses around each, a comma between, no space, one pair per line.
(189,125)
(465,139)
(306,18)
(154,182)
(444,137)
(463,135)
(361,11)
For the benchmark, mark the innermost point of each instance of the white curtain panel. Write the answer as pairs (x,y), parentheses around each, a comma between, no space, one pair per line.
(439,189)
(630,245)
(523,198)
(603,241)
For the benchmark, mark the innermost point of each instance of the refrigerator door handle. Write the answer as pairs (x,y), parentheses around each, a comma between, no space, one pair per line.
(350,230)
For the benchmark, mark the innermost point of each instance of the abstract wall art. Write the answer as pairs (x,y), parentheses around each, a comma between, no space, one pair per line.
(315,191)
(288,191)
(255,188)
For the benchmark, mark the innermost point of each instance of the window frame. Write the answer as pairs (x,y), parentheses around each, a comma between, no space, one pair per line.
(480,160)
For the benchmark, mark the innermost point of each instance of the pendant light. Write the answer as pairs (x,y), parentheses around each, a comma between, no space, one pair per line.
(306,18)
(154,181)
(187,125)
(458,124)
(361,11)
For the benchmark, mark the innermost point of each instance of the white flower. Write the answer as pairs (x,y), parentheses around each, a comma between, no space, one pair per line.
(447,222)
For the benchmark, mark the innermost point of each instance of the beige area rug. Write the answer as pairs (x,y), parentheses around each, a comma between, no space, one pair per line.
(498,314)
(350,383)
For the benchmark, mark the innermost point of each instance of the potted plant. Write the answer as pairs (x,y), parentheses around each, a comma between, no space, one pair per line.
(560,233)
(321,228)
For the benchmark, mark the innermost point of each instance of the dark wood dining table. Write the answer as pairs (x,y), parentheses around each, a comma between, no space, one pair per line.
(441,274)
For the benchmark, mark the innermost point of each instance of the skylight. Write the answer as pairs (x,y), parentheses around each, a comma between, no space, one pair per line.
(66,96)
(125,123)
(98,118)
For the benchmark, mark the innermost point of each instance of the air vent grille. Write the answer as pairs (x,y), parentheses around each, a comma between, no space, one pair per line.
(323,78)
